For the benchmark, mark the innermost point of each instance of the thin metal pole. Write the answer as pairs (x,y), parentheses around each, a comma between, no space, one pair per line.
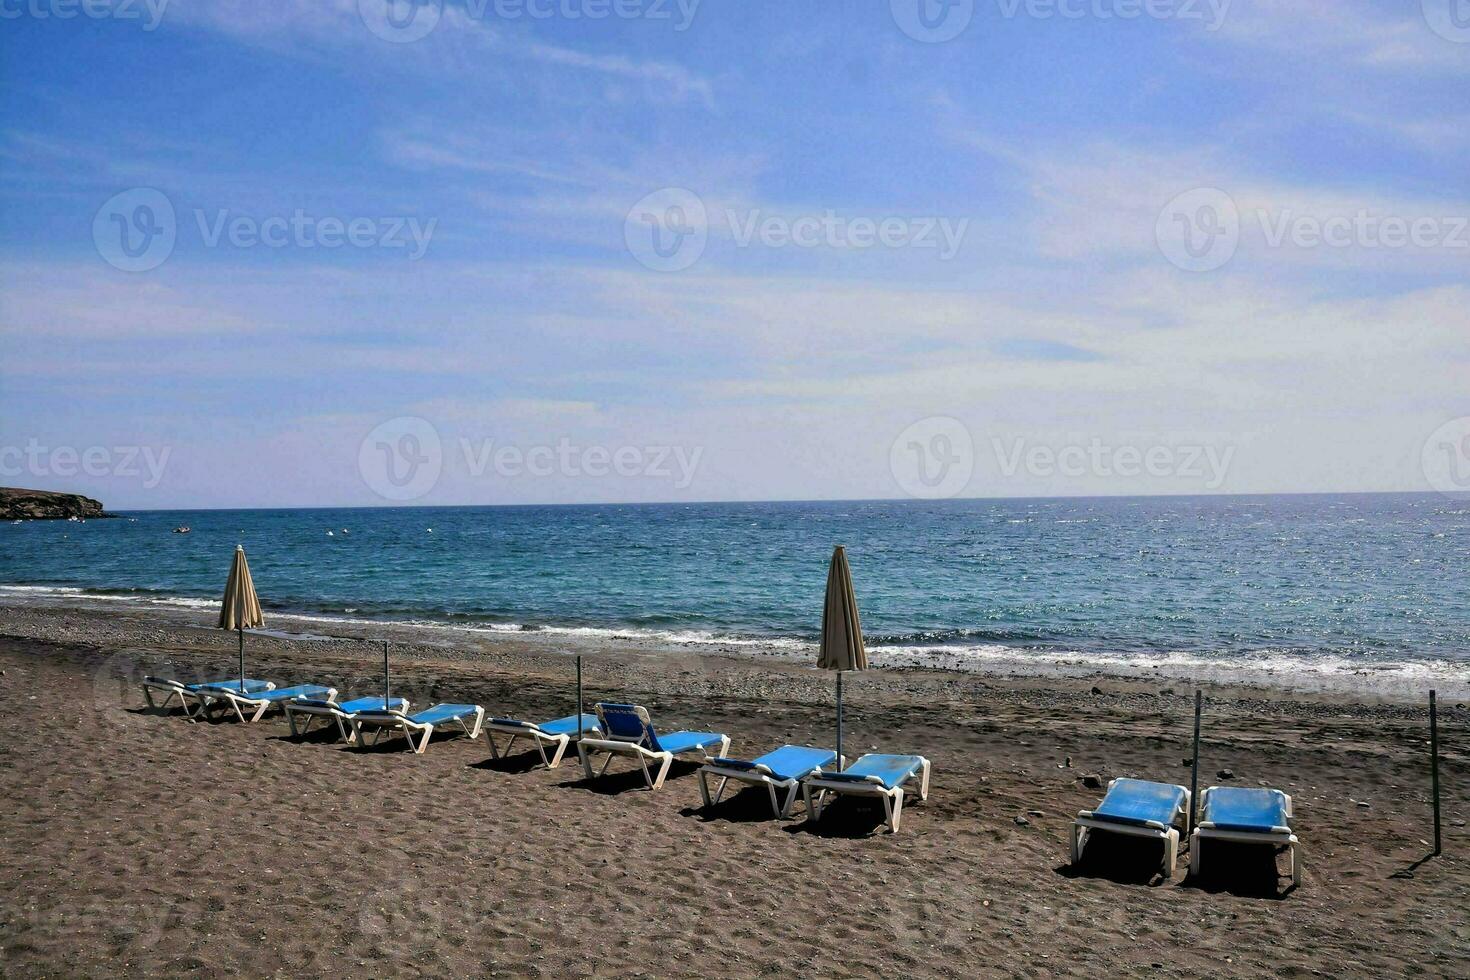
(385,675)
(839,719)
(1434,764)
(1194,768)
(240,631)
(579,696)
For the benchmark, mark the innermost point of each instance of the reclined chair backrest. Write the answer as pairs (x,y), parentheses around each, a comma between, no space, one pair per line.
(628,723)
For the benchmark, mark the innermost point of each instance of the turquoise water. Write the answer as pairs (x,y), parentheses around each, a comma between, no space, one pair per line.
(1340,581)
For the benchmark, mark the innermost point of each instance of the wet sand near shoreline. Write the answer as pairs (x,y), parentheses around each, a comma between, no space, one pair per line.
(142,844)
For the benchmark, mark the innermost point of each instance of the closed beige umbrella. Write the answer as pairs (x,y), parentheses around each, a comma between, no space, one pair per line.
(842,631)
(240,609)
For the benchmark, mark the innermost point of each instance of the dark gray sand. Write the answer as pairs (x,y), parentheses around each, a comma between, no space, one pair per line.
(142,845)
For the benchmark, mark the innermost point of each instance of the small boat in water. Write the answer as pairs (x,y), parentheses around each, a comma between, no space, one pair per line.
(182,529)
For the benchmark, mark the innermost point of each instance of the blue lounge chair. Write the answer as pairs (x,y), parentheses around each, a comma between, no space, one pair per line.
(558,733)
(314,708)
(882,776)
(421,723)
(1138,808)
(784,768)
(627,730)
(184,692)
(259,703)
(1249,816)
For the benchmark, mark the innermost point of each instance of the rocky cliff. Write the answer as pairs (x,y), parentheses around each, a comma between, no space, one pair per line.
(29,505)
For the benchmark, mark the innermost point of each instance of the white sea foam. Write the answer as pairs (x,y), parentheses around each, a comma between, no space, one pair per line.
(1279,668)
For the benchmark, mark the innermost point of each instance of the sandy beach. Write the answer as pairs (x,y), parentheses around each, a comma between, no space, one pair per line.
(144,845)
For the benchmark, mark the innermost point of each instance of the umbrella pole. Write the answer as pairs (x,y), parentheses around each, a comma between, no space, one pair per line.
(1193,770)
(579,697)
(839,720)
(1434,764)
(240,632)
(385,675)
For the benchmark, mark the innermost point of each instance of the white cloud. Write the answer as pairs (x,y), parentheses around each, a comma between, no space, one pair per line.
(461,45)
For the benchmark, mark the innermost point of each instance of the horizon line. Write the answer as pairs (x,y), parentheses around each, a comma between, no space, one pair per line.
(795,500)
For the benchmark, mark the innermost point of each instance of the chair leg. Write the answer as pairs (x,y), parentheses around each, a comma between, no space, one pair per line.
(704,788)
(663,771)
(720,789)
(893,808)
(790,799)
(1171,852)
(1296,864)
(561,750)
(924,782)
(541,748)
(423,739)
(1078,831)
(1194,858)
(583,754)
(775,804)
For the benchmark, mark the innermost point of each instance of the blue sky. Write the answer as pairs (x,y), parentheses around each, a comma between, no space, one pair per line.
(500,170)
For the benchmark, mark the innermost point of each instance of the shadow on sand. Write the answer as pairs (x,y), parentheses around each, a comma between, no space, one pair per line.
(1408,870)
(1244,870)
(749,804)
(845,818)
(324,735)
(1121,858)
(397,743)
(613,783)
(521,762)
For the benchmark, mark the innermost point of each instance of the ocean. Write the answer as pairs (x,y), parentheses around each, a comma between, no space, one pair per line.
(1359,584)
